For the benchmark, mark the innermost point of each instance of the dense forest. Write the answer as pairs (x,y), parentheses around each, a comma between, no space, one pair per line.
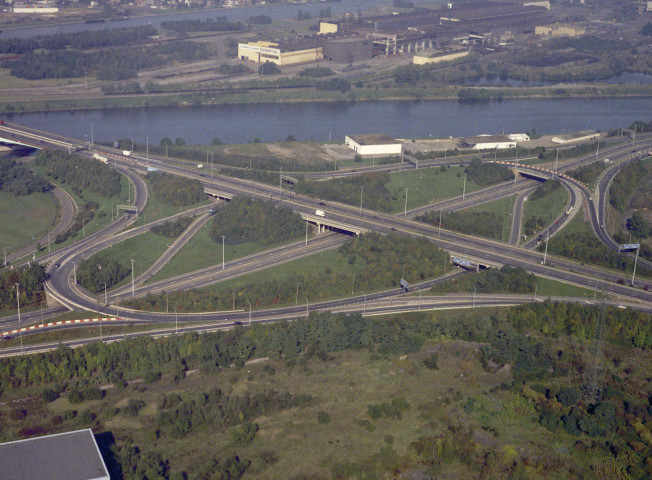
(493,280)
(247,220)
(174,190)
(30,286)
(543,387)
(18,180)
(381,262)
(487,173)
(625,184)
(80,172)
(348,190)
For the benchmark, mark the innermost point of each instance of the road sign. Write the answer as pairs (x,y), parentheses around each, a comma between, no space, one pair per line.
(630,246)
(404,284)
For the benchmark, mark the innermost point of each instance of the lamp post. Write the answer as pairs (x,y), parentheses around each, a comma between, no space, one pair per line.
(306,233)
(106,301)
(20,332)
(635,261)
(280,183)
(222,252)
(307,306)
(545,252)
(361,190)
(439,233)
(353,284)
(132,276)
(473,296)
(249,312)
(405,208)
(176,321)
(464,187)
(74,272)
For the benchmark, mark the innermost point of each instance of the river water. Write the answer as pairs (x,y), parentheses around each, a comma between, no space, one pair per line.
(324,121)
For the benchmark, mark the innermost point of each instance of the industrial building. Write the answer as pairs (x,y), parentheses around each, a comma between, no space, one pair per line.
(301,50)
(559,30)
(348,49)
(373,144)
(482,22)
(64,456)
(438,57)
(488,142)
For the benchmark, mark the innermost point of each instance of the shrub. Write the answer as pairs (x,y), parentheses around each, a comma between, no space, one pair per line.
(323,417)
(48,395)
(431,362)
(75,397)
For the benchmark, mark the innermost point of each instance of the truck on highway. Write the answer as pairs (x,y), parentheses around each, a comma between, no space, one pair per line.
(126,153)
(320,213)
(101,158)
(200,165)
(152,169)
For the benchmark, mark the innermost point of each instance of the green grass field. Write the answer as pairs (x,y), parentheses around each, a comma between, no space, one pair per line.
(548,206)
(202,252)
(547,287)
(427,185)
(25,217)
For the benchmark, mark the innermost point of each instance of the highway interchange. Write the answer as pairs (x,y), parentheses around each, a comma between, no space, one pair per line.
(62,286)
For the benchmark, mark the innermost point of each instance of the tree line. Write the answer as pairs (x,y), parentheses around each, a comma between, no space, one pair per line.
(30,286)
(80,172)
(175,190)
(625,184)
(219,24)
(245,219)
(172,229)
(78,40)
(486,224)
(18,180)
(113,64)
(98,270)
(375,196)
(492,280)
(487,173)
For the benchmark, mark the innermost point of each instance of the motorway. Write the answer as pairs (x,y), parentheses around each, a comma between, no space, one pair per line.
(61,286)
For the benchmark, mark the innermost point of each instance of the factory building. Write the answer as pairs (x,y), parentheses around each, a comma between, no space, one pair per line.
(63,456)
(559,30)
(438,57)
(373,144)
(348,49)
(488,142)
(281,53)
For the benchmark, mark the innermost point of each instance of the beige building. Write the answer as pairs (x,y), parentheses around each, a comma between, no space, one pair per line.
(327,27)
(288,53)
(425,58)
(373,144)
(559,30)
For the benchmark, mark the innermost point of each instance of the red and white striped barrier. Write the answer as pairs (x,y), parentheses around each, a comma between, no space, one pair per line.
(60,323)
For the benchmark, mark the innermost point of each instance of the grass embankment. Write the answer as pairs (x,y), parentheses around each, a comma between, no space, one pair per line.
(427,185)
(309,95)
(25,218)
(102,215)
(541,211)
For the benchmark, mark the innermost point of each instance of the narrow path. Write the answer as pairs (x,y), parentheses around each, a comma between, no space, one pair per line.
(68,213)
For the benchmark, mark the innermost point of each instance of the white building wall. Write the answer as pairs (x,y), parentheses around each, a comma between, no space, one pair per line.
(383,149)
(493,145)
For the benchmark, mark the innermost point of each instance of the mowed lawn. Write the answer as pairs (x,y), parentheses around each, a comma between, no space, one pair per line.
(22,218)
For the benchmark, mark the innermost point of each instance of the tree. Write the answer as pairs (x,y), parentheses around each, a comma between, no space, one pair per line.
(268,68)
(216,141)
(180,142)
(165,142)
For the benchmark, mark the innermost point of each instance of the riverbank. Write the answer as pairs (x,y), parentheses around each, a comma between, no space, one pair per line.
(309,95)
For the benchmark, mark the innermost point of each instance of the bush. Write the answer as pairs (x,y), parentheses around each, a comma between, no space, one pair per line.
(87,417)
(244,434)
(323,417)
(431,362)
(48,395)
(75,397)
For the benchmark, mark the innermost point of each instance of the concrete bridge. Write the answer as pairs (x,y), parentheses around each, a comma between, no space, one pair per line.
(325,223)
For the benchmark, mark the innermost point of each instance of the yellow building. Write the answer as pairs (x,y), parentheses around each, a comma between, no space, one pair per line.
(327,27)
(289,53)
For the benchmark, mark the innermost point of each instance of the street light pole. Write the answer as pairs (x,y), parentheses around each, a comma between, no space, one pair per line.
(439,233)
(147,154)
(307,306)
(361,190)
(635,261)
(306,233)
(132,277)
(545,252)
(222,252)
(176,321)
(405,208)
(473,296)
(353,284)
(464,187)
(249,312)
(280,183)
(20,332)
(74,272)
(106,302)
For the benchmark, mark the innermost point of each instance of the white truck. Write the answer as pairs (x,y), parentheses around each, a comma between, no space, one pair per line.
(101,158)
(320,213)
(200,165)
(126,153)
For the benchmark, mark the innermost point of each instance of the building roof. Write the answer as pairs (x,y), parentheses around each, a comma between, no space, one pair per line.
(487,139)
(64,456)
(373,139)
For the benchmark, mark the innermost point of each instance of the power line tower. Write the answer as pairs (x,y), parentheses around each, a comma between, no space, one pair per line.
(593,373)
